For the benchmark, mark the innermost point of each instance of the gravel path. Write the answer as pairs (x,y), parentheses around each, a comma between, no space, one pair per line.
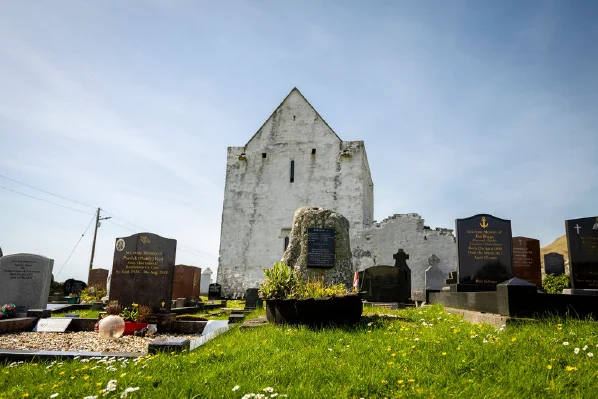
(88,341)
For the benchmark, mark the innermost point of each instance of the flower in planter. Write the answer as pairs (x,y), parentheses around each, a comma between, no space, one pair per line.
(9,310)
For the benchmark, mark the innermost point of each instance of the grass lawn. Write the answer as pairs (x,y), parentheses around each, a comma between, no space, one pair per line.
(425,353)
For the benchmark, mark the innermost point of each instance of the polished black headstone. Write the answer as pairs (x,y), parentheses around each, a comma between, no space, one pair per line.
(582,241)
(484,250)
(143,271)
(381,284)
(320,247)
(72,286)
(251,296)
(214,291)
(554,264)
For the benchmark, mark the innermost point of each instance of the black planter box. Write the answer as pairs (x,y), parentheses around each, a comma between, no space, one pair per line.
(336,310)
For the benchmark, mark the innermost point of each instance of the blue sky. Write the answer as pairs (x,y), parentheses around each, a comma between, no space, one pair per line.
(465,108)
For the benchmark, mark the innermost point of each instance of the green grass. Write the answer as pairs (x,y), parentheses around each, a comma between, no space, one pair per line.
(82,313)
(425,353)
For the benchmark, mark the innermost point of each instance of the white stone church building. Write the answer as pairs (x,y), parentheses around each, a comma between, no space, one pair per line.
(295,159)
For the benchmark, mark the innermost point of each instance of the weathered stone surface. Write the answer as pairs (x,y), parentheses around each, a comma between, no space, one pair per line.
(296,253)
(25,281)
(374,246)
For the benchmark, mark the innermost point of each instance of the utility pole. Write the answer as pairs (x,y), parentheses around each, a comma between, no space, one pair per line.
(95,233)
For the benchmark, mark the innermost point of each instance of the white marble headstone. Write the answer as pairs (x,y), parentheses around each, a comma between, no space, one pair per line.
(25,281)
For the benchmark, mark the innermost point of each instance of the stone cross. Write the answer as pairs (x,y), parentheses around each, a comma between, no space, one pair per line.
(404,275)
(400,258)
(433,260)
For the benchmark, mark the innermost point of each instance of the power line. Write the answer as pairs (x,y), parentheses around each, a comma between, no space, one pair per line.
(46,201)
(120,225)
(46,192)
(77,244)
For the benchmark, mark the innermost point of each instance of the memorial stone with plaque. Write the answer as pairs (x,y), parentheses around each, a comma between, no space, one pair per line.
(484,249)
(143,271)
(526,260)
(582,242)
(25,281)
(554,264)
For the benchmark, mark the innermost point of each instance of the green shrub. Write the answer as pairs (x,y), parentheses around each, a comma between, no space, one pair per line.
(280,282)
(283,282)
(556,284)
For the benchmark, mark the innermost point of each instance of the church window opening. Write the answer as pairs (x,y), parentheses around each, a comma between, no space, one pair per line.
(313,151)
(292,171)
(263,155)
(286,243)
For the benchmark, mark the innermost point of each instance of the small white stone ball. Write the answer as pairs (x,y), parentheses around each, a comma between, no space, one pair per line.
(111,327)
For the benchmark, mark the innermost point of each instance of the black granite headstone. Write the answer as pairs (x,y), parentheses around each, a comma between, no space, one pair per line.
(214,292)
(404,275)
(1,252)
(484,250)
(251,295)
(143,271)
(320,247)
(72,286)
(582,241)
(554,264)
(381,284)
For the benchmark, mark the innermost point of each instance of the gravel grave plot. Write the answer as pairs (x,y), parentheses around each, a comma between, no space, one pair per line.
(88,341)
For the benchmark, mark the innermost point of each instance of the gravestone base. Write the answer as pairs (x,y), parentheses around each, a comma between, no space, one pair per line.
(584,292)
(472,287)
(162,320)
(519,300)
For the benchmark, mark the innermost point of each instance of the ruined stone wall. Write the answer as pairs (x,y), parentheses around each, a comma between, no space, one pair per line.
(374,246)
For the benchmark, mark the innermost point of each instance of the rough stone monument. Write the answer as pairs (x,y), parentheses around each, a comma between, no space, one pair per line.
(143,271)
(25,281)
(319,246)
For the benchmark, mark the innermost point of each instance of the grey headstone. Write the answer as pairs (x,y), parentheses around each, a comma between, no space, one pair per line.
(434,278)
(25,281)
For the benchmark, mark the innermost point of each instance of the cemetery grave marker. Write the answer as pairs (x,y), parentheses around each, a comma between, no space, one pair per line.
(582,241)
(554,264)
(72,286)
(25,281)
(97,278)
(53,324)
(143,271)
(526,260)
(484,250)
(404,275)
(214,292)
(434,276)
(381,283)
(251,297)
